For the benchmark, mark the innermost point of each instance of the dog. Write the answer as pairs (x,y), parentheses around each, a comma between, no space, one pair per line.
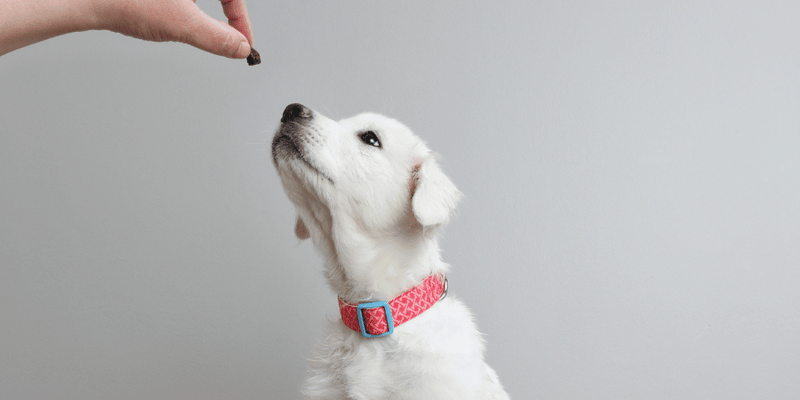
(372,197)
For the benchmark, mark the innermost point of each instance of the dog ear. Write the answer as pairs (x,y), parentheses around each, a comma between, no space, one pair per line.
(434,196)
(300,229)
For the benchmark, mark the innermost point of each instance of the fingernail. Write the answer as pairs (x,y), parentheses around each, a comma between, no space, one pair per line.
(243,51)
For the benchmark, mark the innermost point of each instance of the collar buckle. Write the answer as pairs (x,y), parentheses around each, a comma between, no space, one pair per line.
(375,304)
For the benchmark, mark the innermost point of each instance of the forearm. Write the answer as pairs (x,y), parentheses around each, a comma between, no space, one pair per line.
(24,22)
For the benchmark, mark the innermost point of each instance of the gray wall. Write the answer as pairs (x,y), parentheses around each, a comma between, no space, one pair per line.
(631,227)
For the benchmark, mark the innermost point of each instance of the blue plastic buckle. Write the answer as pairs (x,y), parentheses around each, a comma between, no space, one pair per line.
(376,304)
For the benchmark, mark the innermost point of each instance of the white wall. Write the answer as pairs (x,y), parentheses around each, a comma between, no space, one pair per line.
(631,228)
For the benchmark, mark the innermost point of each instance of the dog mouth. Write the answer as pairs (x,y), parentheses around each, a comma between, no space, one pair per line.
(284,146)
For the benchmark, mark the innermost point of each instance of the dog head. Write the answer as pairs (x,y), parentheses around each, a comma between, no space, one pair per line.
(362,186)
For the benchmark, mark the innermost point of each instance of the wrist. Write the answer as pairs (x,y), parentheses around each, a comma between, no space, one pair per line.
(90,14)
(27,22)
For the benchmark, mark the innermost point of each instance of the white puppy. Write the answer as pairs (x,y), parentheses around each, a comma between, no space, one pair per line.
(371,196)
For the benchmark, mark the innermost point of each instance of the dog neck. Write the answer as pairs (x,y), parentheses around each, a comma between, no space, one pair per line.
(382,272)
(363,267)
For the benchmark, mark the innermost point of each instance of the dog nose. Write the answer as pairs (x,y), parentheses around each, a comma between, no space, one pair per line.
(296,112)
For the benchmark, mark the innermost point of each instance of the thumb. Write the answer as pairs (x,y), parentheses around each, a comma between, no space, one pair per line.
(216,37)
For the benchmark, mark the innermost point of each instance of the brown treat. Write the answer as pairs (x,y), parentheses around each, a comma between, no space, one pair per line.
(254,58)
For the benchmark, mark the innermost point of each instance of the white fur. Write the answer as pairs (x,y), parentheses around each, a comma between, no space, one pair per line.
(373,213)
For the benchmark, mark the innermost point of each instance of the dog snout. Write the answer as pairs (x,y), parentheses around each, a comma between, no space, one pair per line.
(296,112)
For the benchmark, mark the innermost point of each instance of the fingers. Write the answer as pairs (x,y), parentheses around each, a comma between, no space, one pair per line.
(183,21)
(236,12)
(216,37)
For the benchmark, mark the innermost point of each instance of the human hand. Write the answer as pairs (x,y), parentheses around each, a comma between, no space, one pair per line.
(181,21)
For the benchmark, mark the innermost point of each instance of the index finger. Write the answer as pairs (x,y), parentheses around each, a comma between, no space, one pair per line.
(236,12)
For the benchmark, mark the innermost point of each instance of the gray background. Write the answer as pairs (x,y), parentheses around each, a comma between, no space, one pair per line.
(630,228)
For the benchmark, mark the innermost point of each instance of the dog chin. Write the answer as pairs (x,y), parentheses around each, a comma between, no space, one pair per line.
(286,150)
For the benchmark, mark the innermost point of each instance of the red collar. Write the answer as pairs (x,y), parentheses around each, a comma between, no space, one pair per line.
(380,317)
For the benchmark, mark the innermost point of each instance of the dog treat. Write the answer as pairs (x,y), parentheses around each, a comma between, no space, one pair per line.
(254,58)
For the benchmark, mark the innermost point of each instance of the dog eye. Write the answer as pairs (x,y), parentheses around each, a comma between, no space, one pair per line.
(370,138)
